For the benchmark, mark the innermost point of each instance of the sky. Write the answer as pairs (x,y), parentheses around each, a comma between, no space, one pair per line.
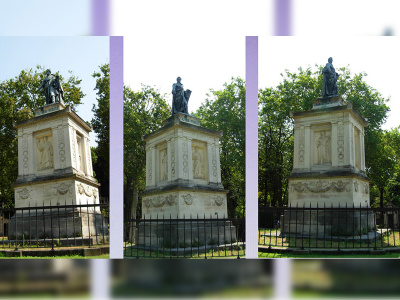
(200,66)
(203,43)
(81,55)
(375,55)
(42,17)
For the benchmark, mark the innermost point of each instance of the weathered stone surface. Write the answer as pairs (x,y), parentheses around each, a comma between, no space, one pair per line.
(55,168)
(183,173)
(329,158)
(186,234)
(183,180)
(327,223)
(328,171)
(185,204)
(57,224)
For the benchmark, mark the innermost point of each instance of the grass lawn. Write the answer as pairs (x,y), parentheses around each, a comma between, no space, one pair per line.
(105,256)
(268,237)
(221,253)
(317,255)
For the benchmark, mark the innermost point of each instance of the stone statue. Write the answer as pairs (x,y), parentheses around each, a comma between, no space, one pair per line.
(180,98)
(46,153)
(324,148)
(53,90)
(329,81)
(197,164)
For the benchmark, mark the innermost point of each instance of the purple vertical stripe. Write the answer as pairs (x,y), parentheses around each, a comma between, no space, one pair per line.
(100,279)
(251,146)
(100,17)
(116,146)
(282,17)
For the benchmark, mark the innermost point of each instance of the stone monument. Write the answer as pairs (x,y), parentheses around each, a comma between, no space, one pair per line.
(328,166)
(183,181)
(55,168)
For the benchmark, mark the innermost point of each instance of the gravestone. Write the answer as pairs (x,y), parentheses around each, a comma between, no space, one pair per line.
(55,169)
(183,181)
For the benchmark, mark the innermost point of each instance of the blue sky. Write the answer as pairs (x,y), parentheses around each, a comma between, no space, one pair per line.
(81,55)
(43,17)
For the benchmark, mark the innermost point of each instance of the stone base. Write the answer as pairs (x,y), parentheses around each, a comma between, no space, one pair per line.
(185,234)
(327,223)
(329,191)
(327,102)
(185,203)
(48,108)
(58,225)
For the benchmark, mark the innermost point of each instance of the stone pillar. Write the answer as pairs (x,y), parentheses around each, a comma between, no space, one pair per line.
(152,167)
(190,159)
(211,157)
(307,147)
(347,143)
(334,144)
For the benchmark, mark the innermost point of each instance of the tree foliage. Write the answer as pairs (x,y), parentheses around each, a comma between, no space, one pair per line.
(144,112)
(225,110)
(295,93)
(19,97)
(101,126)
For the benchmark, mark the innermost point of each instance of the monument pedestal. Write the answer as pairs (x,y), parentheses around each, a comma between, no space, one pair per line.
(55,169)
(328,168)
(183,181)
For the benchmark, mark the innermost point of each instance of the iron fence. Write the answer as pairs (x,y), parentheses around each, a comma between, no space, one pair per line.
(184,237)
(329,227)
(53,226)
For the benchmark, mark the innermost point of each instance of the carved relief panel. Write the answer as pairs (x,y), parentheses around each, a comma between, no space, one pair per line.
(322,147)
(44,151)
(199,160)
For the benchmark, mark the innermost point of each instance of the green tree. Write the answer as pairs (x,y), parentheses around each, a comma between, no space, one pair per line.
(225,110)
(19,97)
(144,112)
(101,126)
(295,93)
(382,168)
(276,131)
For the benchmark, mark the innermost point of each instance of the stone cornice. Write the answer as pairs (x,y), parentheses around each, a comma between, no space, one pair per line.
(56,114)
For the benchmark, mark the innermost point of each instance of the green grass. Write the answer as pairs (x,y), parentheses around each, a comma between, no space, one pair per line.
(221,253)
(105,256)
(317,255)
(391,239)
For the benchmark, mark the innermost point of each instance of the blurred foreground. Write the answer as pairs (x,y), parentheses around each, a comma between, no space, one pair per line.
(187,278)
(372,278)
(44,278)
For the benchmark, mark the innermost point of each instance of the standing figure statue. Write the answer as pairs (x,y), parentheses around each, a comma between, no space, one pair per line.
(46,153)
(164,166)
(324,148)
(329,82)
(180,98)
(197,164)
(53,90)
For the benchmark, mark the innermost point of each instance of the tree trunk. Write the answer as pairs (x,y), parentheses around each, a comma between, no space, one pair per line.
(381,190)
(135,200)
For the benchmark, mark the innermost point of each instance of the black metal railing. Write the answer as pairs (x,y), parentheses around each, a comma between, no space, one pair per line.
(200,237)
(329,227)
(53,226)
